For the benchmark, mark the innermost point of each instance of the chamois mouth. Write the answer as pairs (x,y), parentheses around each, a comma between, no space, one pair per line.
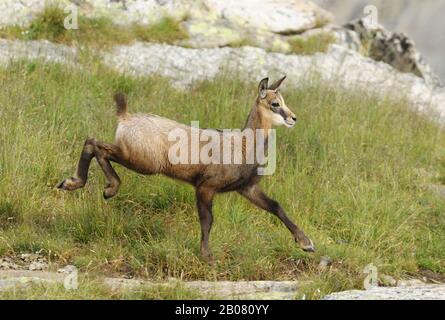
(289,123)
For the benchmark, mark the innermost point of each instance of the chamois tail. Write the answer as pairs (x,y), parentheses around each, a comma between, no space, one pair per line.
(121,104)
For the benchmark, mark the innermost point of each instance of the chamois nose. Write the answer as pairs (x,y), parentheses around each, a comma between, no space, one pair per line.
(294,118)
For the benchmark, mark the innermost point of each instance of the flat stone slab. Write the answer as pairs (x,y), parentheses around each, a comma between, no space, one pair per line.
(416,292)
(256,290)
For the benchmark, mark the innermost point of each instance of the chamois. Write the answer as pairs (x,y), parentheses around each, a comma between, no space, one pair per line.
(142,145)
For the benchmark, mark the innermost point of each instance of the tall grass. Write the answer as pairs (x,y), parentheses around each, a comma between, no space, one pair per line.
(313,44)
(352,173)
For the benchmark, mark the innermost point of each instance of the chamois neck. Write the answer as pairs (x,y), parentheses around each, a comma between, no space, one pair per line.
(257,121)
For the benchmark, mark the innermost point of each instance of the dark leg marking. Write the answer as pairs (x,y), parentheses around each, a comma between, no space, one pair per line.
(204,199)
(103,152)
(255,195)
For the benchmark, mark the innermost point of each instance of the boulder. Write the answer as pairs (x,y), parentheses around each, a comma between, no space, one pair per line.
(412,292)
(340,67)
(393,48)
(208,23)
(275,16)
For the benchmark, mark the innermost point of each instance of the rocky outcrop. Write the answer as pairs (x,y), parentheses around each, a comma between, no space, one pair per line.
(411,292)
(267,24)
(421,20)
(340,67)
(393,48)
(255,290)
(209,23)
(41,50)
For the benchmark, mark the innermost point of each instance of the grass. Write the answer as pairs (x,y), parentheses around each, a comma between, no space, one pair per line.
(93,32)
(94,289)
(101,32)
(351,173)
(312,44)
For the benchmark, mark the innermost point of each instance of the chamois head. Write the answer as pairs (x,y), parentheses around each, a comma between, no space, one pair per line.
(272,106)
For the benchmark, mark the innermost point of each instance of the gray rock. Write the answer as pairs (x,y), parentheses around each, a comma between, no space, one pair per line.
(8,264)
(209,23)
(42,50)
(276,16)
(339,67)
(325,262)
(393,48)
(14,12)
(387,281)
(38,265)
(67,269)
(13,279)
(413,292)
(256,290)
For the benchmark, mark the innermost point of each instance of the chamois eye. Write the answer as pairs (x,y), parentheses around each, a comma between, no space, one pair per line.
(275,104)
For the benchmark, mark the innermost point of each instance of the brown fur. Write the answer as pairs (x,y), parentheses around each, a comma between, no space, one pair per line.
(121,104)
(142,145)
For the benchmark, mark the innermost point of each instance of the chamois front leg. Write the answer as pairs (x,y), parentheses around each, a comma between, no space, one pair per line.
(204,199)
(103,152)
(260,199)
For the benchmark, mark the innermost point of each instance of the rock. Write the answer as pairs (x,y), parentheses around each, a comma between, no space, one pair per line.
(276,16)
(344,37)
(208,23)
(8,264)
(21,13)
(414,292)
(410,283)
(14,279)
(393,48)
(387,281)
(142,12)
(35,261)
(42,50)
(256,290)
(38,265)
(423,21)
(339,68)
(206,34)
(325,262)
(67,269)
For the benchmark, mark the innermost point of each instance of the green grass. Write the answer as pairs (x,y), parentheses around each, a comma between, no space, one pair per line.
(94,289)
(93,32)
(351,173)
(312,44)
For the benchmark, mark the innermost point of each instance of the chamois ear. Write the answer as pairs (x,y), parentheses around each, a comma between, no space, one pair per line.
(277,84)
(262,88)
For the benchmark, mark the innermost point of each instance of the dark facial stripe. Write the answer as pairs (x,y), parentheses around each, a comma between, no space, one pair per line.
(280,111)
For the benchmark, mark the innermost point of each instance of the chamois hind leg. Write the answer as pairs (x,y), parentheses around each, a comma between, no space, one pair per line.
(204,199)
(260,199)
(103,152)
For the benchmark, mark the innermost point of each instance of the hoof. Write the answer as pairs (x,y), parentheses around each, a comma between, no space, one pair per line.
(209,260)
(207,257)
(110,193)
(306,245)
(70,184)
(61,185)
(309,248)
